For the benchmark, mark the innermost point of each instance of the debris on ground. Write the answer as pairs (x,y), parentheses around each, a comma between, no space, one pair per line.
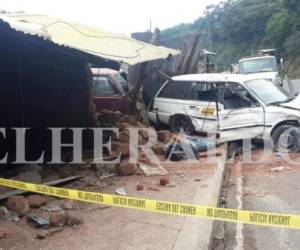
(9,215)
(120,191)
(73,220)
(18,204)
(106,175)
(164,180)
(38,221)
(49,215)
(58,219)
(279,169)
(127,168)
(139,187)
(52,208)
(152,169)
(46,233)
(164,136)
(159,148)
(151,188)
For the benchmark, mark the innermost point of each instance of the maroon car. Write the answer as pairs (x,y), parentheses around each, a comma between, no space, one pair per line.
(109,90)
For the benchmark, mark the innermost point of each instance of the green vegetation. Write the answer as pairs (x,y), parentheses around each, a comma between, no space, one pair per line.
(235,28)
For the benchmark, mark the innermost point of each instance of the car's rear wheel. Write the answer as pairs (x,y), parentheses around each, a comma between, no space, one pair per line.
(179,123)
(286,138)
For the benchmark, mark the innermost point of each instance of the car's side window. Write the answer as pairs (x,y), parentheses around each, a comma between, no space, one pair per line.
(206,92)
(175,90)
(102,87)
(237,97)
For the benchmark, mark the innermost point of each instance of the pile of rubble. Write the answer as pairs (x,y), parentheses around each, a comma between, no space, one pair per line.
(120,145)
(36,210)
(49,215)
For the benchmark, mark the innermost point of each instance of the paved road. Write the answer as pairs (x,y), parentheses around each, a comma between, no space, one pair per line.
(257,187)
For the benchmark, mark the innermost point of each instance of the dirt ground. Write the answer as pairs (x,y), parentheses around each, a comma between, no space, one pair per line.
(106,227)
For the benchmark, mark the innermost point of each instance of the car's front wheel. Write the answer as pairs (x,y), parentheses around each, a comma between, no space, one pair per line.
(286,138)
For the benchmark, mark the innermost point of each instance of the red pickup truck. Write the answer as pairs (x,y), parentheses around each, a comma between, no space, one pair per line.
(109,90)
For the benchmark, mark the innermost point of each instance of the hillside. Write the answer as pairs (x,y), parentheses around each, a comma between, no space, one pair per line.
(235,28)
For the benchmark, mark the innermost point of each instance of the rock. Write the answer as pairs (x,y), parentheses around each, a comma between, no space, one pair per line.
(124,150)
(37,221)
(163,136)
(12,216)
(127,168)
(144,134)
(18,204)
(164,180)
(51,208)
(139,187)
(58,219)
(36,200)
(124,125)
(67,204)
(115,145)
(73,220)
(131,119)
(159,148)
(121,148)
(42,235)
(124,136)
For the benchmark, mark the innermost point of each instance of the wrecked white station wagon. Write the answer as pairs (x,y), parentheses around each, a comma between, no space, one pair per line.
(232,106)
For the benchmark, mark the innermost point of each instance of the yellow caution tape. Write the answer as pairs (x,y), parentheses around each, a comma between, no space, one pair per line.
(166,207)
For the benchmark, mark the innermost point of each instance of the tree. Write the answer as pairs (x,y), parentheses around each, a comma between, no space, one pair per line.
(278,28)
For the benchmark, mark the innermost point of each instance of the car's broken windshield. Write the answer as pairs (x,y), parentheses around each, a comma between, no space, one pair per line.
(267,92)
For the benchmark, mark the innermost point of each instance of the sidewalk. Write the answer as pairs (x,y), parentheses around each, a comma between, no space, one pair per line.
(118,228)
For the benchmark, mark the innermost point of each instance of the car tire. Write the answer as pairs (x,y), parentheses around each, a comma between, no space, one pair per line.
(181,122)
(293,140)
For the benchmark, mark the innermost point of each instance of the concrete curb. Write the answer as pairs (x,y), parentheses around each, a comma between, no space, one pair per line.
(198,234)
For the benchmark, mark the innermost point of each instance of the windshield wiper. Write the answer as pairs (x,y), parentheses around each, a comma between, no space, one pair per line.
(274,103)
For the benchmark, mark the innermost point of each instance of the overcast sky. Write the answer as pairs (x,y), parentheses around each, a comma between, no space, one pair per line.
(115,15)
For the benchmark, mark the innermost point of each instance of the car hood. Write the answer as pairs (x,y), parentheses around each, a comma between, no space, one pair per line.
(294,104)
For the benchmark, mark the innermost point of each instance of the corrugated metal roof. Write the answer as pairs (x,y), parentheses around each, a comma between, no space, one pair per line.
(91,40)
